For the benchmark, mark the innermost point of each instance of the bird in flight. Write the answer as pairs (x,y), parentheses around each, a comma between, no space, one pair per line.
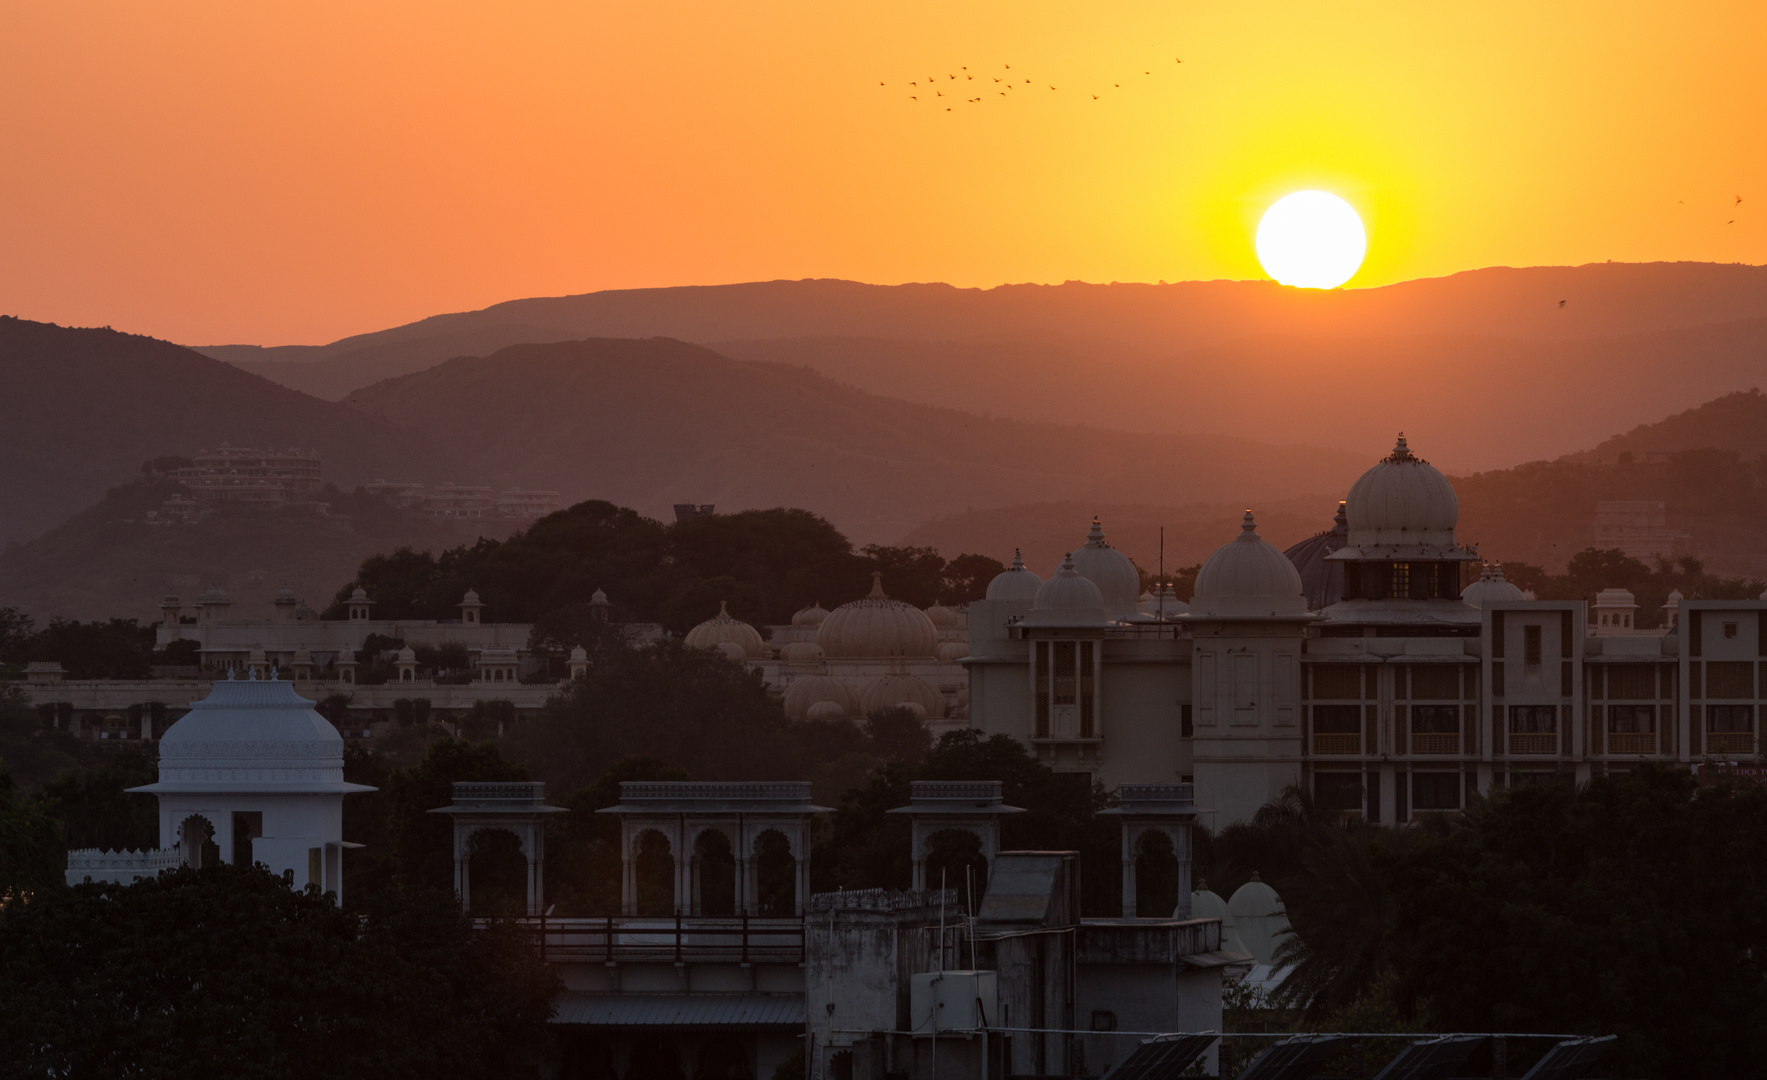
(1738,201)
(1094,97)
(1561,303)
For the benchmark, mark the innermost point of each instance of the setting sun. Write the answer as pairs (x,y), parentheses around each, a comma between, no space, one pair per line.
(1311,240)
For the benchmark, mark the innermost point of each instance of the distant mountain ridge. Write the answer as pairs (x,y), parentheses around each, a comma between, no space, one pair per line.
(1486,361)
(649,423)
(83,408)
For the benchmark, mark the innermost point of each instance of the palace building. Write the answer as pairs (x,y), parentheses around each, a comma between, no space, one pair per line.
(1361,664)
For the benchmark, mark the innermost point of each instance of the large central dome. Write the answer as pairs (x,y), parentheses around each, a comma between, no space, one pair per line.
(1403,507)
(877,627)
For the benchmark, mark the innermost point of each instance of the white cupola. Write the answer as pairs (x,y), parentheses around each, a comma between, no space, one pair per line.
(1247,578)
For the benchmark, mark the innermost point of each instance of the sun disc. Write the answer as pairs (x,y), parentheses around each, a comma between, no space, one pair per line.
(1311,240)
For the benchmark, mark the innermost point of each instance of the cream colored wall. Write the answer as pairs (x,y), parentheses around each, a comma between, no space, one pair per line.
(1247,744)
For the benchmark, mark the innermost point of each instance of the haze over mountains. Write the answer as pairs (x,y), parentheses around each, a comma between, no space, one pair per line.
(1486,365)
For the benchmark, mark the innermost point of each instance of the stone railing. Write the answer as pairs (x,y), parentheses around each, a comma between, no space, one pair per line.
(883,900)
(499,791)
(1157,794)
(96,864)
(776,791)
(955,791)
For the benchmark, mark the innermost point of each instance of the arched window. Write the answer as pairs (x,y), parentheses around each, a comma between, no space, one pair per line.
(715,873)
(196,843)
(499,873)
(655,871)
(1156,876)
(776,884)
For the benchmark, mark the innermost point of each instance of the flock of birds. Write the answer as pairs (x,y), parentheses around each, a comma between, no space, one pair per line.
(1002,85)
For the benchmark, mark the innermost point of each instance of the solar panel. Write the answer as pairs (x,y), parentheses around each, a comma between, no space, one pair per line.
(1295,1059)
(1570,1059)
(1163,1057)
(1431,1059)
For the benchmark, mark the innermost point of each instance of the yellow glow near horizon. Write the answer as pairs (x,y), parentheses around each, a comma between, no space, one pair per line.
(1311,240)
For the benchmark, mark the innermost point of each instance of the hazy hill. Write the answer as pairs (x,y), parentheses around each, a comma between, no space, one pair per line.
(649,423)
(83,408)
(1708,466)
(106,561)
(1486,361)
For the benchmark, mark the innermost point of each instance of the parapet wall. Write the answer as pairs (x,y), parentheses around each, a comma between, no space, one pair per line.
(123,867)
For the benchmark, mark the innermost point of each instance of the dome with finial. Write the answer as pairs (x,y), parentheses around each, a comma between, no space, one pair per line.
(471,597)
(900,689)
(598,598)
(359,596)
(1402,507)
(284,597)
(1110,570)
(1260,918)
(942,617)
(1248,578)
(1015,582)
(813,615)
(953,650)
(1162,601)
(1490,587)
(1322,578)
(877,626)
(252,735)
(804,696)
(721,630)
(801,652)
(1068,599)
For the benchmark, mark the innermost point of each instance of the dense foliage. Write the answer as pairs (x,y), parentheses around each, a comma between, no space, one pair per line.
(228,971)
(111,649)
(766,564)
(1592,570)
(1634,906)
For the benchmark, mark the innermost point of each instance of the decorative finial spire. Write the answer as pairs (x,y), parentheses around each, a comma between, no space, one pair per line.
(1401,452)
(1096,536)
(1248,527)
(877,592)
(1067,564)
(1018,559)
(723,609)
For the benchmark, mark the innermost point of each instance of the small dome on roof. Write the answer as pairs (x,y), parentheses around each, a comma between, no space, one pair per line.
(887,691)
(579,654)
(471,597)
(169,600)
(721,629)
(801,652)
(284,595)
(598,598)
(941,616)
(877,626)
(304,613)
(1260,919)
(952,651)
(252,735)
(1110,570)
(1489,588)
(804,696)
(1248,578)
(1068,599)
(302,658)
(1403,501)
(825,710)
(1015,582)
(359,596)
(809,616)
(1322,578)
(407,655)
(216,595)
(732,649)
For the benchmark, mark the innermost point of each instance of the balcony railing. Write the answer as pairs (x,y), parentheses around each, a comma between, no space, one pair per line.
(1337,744)
(1533,742)
(1631,742)
(1435,742)
(1730,742)
(615,938)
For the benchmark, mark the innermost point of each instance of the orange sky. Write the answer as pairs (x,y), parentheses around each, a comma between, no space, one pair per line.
(277,172)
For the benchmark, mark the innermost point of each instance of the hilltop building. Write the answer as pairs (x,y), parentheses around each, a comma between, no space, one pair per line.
(1365,664)
(1640,529)
(246,474)
(466,500)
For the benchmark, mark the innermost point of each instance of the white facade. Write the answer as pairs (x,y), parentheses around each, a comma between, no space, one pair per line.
(254,771)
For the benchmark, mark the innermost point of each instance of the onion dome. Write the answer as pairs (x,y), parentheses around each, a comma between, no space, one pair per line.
(1207,904)
(1260,918)
(252,735)
(359,596)
(1163,601)
(721,629)
(1248,578)
(952,651)
(301,658)
(912,691)
(1488,588)
(303,613)
(1068,599)
(1015,582)
(877,627)
(471,597)
(809,616)
(805,696)
(1322,579)
(732,649)
(407,655)
(1403,507)
(1110,570)
(579,655)
(801,652)
(284,596)
(942,617)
